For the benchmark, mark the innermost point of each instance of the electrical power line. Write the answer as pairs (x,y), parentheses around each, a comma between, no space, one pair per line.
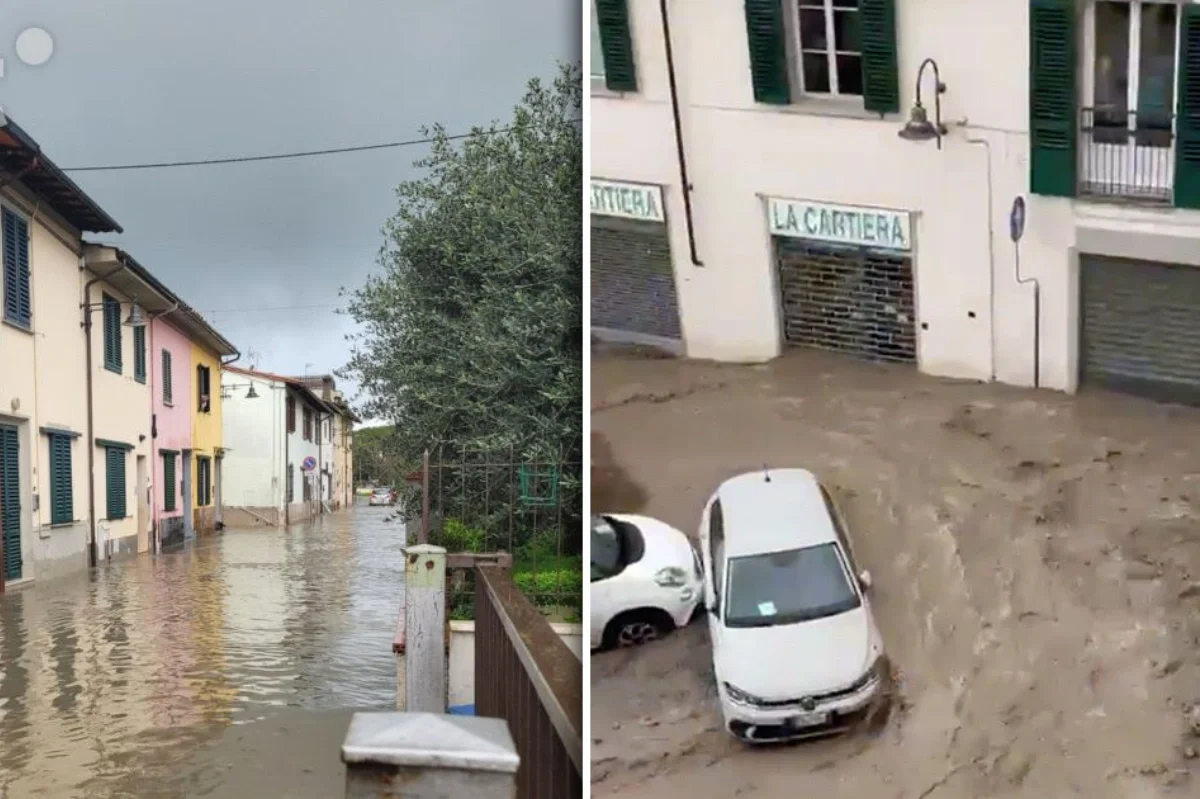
(281,156)
(256,309)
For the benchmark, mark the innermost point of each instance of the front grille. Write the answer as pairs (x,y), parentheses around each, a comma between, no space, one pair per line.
(827,696)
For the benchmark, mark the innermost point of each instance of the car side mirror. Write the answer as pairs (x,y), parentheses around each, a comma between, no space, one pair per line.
(864,579)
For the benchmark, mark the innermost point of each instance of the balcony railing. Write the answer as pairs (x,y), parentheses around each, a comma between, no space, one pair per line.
(1127,155)
(526,675)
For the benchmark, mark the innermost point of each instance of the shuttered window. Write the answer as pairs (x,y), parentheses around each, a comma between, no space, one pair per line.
(10,501)
(1052,99)
(1187,159)
(62,505)
(291,483)
(114,479)
(768,51)
(112,334)
(18,305)
(203,481)
(170,489)
(166,378)
(203,388)
(616,45)
(139,354)
(291,414)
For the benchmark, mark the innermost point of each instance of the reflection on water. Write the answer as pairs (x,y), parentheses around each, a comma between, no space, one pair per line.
(109,678)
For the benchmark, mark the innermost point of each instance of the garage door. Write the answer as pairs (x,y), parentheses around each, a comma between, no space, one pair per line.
(850,299)
(1140,325)
(633,284)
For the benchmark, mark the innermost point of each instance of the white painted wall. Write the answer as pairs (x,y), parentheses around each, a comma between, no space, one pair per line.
(739,152)
(299,449)
(462,657)
(253,435)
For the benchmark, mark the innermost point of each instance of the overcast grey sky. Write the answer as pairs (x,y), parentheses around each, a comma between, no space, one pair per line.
(137,81)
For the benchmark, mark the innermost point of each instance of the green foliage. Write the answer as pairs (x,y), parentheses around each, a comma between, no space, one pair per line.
(458,537)
(472,332)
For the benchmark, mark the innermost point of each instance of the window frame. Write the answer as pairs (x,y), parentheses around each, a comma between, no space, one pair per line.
(597,49)
(113,345)
(795,53)
(6,209)
(203,389)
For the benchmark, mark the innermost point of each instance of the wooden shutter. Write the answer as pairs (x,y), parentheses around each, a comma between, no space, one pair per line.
(1187,124)
(112,334)
(169,487)
(114,460)
(768,51)
(62,506)
(616,43)
(10,501)
(880,74)
(139,354)
(166,377)
(18,307)
(1052,97)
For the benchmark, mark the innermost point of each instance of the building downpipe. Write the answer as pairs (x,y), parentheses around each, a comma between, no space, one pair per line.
(679,148)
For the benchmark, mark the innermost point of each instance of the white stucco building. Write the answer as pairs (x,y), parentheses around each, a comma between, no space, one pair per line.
(813,222)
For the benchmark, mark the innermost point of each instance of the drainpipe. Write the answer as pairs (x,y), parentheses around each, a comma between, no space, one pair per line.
(287,459)
(93,552)
(683,171)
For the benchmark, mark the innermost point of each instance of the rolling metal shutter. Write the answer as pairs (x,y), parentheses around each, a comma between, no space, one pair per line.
(847,299)
(1140,327)
(633,282)
(10,501)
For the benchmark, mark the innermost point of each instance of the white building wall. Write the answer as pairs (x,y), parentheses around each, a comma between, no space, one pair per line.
(253,434)
(299,449)
(974,320)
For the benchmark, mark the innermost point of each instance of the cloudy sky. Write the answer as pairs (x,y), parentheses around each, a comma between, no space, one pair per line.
(262,248)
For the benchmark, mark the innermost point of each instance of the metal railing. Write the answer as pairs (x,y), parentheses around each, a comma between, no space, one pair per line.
(526,675)
(1127,155)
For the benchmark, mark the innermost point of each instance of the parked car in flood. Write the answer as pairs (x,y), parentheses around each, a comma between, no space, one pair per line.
(384,495)
(646,580)
(795,647)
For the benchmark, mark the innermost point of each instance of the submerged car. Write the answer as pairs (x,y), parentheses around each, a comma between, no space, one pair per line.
(646,580)
(382,496)
(795,647)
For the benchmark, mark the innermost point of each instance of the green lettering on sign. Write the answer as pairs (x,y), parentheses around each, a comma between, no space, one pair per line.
(840,224)
(629,200)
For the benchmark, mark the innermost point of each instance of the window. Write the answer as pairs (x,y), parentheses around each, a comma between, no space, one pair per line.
(18,306)
(139,354)
(291,483)
(203,481)
(114,461)
(612,46)
(291,414)
(62,506)
(308,425)
(824,48)
(835,518)
(169,487)
(112,334)
(203,390)
(166,377)
(716,543)
(788,587)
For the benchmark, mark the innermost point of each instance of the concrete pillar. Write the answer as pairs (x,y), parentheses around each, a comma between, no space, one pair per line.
(425,628)
(429,756)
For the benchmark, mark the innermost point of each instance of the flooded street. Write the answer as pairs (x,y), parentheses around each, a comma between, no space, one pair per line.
(208,671)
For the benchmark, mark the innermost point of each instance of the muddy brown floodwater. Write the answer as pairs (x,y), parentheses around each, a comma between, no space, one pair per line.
(228,670)
(1035,556)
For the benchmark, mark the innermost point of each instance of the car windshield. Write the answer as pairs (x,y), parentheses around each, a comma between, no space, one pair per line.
(606,548)
(383,491)
(788,587)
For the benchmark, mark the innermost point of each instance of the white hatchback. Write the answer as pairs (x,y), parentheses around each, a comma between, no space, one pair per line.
(795,648)
(646,580)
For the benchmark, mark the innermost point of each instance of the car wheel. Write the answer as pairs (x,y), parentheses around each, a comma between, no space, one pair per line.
(636,628)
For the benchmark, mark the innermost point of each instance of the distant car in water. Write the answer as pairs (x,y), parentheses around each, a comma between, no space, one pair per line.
(646,580)
(384,495)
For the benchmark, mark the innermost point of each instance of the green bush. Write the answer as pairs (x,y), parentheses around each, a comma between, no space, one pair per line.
(456,536)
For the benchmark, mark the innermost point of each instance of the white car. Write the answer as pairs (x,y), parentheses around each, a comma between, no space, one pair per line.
(795,648)
(382,496)
(646,580)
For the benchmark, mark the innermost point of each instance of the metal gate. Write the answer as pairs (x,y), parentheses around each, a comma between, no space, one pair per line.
(633,282)
(1140,327)
(10,501)
(847,299)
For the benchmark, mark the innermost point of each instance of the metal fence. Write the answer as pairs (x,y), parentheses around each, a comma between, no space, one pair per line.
(526,675)
(1128,155)
(482,502)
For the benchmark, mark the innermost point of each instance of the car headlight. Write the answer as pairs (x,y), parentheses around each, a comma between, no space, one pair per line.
(742,697)
(871,675)
(671,577)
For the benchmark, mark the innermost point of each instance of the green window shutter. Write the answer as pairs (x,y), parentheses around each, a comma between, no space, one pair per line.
(880,74)
(10,501)
(112,334)
(18,307)
(62,506)
(1187,123)
(169,487)
(166,376)
(139,354)
(1052,105)
(768,51)
(114,460)
(620,71)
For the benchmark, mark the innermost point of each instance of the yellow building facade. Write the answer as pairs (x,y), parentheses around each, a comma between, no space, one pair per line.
(206,438)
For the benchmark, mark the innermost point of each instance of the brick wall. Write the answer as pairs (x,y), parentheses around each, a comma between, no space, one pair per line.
(847,299)
(633,284)
(1140,324)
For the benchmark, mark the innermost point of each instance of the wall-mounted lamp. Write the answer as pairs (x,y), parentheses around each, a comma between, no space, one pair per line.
(918,127)
(251,394)
(136,317)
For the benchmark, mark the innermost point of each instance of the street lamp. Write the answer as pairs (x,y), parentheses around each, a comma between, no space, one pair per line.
(918,127)
(251,394)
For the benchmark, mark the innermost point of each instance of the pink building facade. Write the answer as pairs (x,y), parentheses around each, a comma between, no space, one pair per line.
(170,366)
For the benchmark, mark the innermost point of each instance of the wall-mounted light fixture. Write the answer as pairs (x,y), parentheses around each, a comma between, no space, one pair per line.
(251,394)
(918,127)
